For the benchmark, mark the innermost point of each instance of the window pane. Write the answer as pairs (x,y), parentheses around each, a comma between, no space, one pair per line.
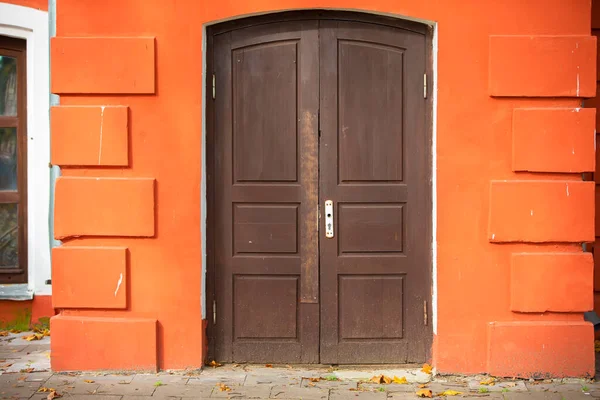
(9,235)
(8,158)
(8,86)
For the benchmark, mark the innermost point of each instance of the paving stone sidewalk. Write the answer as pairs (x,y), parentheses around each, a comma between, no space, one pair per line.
(25,374)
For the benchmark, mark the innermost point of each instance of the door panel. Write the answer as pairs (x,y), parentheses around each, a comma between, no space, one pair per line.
(266,193)
(373,166)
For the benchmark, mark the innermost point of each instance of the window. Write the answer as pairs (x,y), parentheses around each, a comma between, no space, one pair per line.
(13,162)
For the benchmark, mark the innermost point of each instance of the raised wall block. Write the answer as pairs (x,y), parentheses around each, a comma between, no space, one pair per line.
(542,66)
(537,349)
(104,207)
(558,282)
(120,65)
(89,135)
(116,343)
(553,139)
(89,277)
(541,211)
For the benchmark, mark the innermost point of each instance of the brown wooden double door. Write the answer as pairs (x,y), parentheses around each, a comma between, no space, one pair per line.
(307,110)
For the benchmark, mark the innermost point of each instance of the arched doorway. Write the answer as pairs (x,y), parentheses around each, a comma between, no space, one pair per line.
(319,189)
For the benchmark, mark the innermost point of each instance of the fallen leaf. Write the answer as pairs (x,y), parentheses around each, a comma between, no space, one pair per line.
(88,381)
(450,393)
(4,333)
(45,389)
(426,368)
(53,395)
(269,365)
(314,379)
(422,386)
(214,364)
(223,387)
(27,370)
(312,384)
(400,381)
(381,379)
(35,336)
(488,382)
(424,393)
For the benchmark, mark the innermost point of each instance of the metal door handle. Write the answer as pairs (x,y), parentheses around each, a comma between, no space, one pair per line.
(328,219)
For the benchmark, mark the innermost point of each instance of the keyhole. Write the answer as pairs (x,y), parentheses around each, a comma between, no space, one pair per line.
(328,215)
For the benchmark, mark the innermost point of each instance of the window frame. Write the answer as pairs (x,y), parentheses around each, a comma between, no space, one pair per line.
(17,48)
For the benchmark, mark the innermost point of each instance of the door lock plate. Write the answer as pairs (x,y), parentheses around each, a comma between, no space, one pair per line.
(329,219)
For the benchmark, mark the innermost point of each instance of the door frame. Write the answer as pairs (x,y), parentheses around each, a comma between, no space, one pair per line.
(208,290)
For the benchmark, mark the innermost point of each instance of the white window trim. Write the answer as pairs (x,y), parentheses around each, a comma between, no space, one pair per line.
(32,25)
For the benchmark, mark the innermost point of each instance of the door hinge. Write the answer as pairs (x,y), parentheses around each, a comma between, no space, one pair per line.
(214,312)
(424,86)
(214,86)
(425,312)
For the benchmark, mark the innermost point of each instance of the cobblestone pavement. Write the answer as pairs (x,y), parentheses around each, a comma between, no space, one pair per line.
(24,374)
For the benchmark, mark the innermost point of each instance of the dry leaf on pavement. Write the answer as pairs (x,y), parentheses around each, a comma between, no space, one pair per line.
(214,364)
(27,370)
(424,393)
(314,379)
(223,387)
(488,382)
(426,368)
(88,381)
(400,381)
(450,393)
(422,386)
(53,395)
(3,333)
(269,365)
(381,379)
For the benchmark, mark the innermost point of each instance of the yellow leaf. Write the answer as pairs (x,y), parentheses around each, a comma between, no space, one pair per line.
(386,379)
(214,364)
(424,393)
(223,387)
(422,386)
(88,381)
(45,389)
(426,368)
(450,393)
(488,382)
(400,381)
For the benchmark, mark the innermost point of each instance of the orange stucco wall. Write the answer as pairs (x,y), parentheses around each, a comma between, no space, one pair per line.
(486,221)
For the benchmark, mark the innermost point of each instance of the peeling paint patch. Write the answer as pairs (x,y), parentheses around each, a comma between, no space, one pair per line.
(119,283)
(101,131)
(568,194)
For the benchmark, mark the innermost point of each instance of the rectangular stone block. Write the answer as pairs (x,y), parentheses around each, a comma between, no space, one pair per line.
(559,282)
(97,343)
(541,211)
(541,349)
(542,66)
(554,139)
(89,277)
(104,207)
(119,65)
(89,135)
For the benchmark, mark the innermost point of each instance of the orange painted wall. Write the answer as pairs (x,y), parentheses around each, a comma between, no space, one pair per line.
(474,148)
(37,4)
